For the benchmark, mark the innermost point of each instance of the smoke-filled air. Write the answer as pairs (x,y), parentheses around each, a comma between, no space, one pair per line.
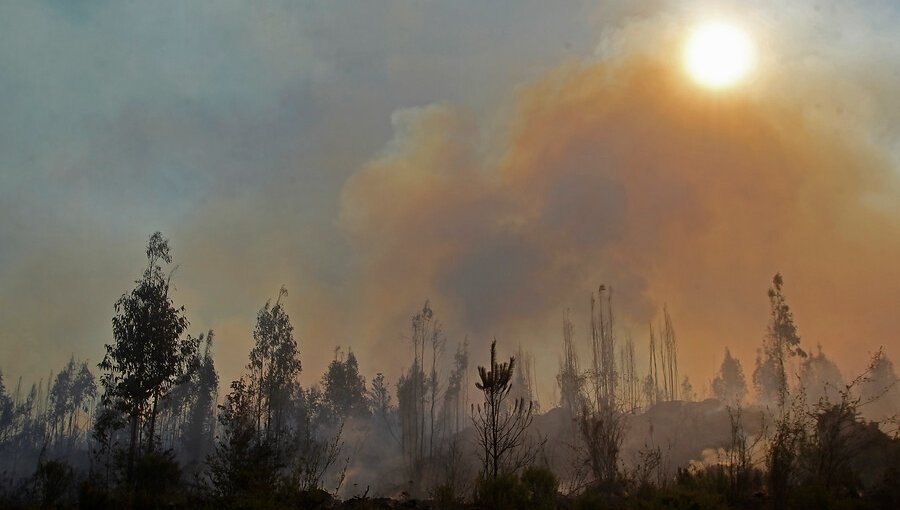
(449,255)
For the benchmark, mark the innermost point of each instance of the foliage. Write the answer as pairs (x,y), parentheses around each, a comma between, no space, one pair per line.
(541,487)
(72,394)
(880,395)
(418,395)
(570,379)
(344,389)
(602,435)
(500,425)
(501,491)
(729,384)
(273,369)
(7,414)
(243,468)
(820,378)
(198,400)
(148,356)
(277,444)
(157,478)
(782,342)
(54,483)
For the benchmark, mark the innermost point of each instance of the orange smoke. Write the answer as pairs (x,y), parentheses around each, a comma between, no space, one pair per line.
(621,172)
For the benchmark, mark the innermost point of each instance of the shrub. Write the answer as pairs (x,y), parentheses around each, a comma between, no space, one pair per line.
(53,482)
(157,480)
(92,494)
(541,487)
(500,493)
(445,497)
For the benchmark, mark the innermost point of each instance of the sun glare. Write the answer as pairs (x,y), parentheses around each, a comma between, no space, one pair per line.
(718,55)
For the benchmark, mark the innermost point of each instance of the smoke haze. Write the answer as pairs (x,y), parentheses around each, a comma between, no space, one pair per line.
(568,154)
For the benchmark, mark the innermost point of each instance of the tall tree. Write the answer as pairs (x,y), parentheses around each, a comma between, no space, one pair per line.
(410,389)
(880,392)
(258,430)
(821,379)
(199,429)
(729,384)
(663,361)
(344,389)
(604,373)
(72,393)
(523,378)
(274,367)
(455,394)
(500,425)
(630,382)
(652,393)
(148,355)
(379,396)
(7,413)
(782,342)
(569,379)
(417,391)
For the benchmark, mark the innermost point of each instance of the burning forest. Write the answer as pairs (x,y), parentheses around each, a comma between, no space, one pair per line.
(152,425)
(580,254)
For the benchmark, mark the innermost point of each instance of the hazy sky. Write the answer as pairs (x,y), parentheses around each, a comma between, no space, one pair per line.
(500,158)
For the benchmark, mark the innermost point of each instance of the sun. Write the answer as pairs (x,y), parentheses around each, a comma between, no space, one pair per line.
(719,55)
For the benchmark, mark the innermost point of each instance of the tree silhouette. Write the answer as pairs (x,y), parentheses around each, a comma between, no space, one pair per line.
(345,389)
(72,392)
(7,414)
(782,341)
(569,378)
(881,393)
(821,378)
(148,355)
(417,392)
(274,367)
(729,385)
(455,392)
(500,425)
(199,421)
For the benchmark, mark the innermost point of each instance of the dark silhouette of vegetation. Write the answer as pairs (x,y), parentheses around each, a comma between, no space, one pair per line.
(500,423)
(782,342)
(273,370)
(623,433)
(729,385)
(344,389)
(148,356)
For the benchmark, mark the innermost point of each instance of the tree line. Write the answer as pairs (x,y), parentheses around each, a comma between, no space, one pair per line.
(154,430)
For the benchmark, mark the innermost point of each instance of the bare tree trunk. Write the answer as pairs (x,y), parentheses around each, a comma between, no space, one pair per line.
(152,423)
(131,448)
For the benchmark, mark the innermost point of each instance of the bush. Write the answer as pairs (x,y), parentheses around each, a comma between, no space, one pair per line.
(157,480)
(92,494)
(541,487)
(500,493)
(688,499)
(445,497)
(53,481)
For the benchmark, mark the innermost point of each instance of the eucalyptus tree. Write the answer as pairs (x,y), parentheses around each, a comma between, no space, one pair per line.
(148,355)
(200,427)
(274,368)
(418,391)
(72,393)
(344,389)
(781,343)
